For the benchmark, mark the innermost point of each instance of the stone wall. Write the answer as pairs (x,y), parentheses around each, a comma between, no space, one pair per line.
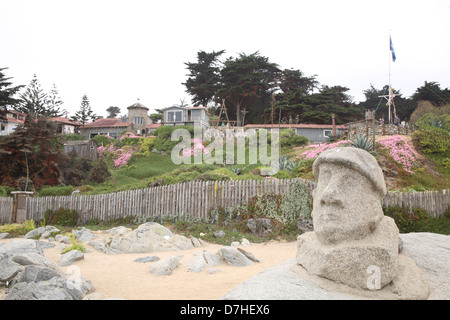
(365,127)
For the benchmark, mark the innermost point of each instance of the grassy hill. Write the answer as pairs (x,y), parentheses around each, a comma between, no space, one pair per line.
(147,168)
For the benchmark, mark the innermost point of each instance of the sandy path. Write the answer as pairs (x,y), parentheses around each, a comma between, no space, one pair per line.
(117,276)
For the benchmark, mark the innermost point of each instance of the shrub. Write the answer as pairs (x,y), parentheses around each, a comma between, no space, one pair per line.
(103,140)
(298,202)
(74,244)
(5,191)
(423,108)
(303,166)
(99,173)
(16,229)
(163,135)
(49,191)
(432,120)
(288,138)
(62,217)
(146,146)
(414,220)
(431,140)
(282,174)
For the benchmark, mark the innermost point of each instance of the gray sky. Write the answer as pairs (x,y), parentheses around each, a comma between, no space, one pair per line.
(119,51)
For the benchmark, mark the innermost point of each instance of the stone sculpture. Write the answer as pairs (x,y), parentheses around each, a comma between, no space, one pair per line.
(353,243)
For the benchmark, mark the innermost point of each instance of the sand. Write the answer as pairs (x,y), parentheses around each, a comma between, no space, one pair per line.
(119,277)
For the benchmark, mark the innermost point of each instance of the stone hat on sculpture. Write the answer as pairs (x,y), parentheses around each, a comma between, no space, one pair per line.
(357,159)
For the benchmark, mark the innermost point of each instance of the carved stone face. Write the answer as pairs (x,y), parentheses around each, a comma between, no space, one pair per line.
(346,206)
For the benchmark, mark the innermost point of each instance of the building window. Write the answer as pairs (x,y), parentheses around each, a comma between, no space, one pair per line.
(138,120)
(174,116)
(327,133)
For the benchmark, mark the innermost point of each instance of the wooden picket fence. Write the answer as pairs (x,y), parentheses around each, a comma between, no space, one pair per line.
(434,202)
(195,199)
(6,209)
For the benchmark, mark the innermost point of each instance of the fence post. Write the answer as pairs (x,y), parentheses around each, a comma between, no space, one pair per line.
(20,205)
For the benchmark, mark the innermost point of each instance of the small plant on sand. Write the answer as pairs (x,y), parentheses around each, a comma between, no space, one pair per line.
(74,244)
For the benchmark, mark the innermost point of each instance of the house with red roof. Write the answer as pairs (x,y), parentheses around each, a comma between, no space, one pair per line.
(137,120)
(13,119)
(65,126)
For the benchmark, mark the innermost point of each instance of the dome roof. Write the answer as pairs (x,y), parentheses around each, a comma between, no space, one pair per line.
(138,105)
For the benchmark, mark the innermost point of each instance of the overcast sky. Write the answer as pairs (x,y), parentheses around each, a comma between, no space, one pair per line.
(118,51)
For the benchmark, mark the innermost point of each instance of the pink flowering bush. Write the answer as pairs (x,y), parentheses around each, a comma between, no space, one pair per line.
(119,156)
(401,151)
(122,157)
(197,148)
(319,148)
(128,135)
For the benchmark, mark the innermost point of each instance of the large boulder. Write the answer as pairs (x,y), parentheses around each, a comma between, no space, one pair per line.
(8,270)
(84,235)
(20,246)
(289,281)
(34,273)
(31,258)
(31,276)
(37,291)
(148,237)
(56,288)
(41,232)
(70,257)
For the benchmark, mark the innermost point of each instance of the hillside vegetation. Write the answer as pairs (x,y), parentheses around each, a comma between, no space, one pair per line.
(404,166)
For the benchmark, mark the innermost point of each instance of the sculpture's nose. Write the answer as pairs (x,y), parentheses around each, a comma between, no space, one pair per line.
(331,194)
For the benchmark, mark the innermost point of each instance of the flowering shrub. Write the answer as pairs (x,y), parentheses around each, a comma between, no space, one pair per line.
(401,151)
(128,135)
(196,149)
(319,148)
(120,156)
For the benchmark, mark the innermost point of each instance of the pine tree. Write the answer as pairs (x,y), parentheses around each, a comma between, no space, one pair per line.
(36,101)
(85,114)
(54,100)
(6,94)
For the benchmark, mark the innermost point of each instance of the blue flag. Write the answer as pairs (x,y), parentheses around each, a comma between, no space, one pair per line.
(392,50)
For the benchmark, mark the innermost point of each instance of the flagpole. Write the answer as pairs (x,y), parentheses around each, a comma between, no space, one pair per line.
(390,96)
(389,100)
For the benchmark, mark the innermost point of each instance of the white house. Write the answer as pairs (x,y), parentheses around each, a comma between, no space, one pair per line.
(186,116)
(65,126)
(13,119)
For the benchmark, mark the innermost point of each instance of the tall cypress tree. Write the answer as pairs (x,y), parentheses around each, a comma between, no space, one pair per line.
(204,77)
